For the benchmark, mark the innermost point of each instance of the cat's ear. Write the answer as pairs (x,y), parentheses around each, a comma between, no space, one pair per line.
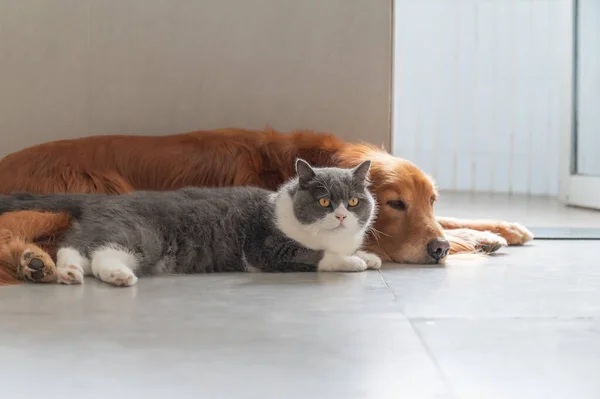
(305,172)
(360,174)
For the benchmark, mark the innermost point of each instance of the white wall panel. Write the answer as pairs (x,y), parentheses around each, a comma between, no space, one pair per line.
(588,90)
(478,89)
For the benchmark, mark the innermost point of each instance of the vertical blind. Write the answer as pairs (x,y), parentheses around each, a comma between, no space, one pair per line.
(480,87)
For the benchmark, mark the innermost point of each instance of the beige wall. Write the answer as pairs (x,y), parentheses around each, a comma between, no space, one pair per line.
(71,68)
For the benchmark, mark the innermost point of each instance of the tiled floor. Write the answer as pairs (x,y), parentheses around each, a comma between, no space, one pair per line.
(522,324)
(531,211)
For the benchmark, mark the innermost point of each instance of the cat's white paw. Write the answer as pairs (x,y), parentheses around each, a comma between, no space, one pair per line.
(114,266)
(353,264)
(69,274)
(71,266)
(337,263)
(373,261)
(119,275)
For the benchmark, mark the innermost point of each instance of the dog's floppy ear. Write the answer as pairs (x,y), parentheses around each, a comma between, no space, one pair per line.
(305,172)
(360,174)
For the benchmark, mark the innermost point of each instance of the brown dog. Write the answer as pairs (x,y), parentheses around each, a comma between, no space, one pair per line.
(405,231)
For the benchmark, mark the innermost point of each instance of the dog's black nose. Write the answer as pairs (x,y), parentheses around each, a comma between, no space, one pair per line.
(438,248)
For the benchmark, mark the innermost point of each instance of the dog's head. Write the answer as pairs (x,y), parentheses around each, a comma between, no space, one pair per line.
(405,230)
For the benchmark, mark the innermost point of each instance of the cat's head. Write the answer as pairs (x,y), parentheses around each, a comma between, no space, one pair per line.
(331,202)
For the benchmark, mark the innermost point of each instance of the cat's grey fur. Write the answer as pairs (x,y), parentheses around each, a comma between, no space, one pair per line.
(197,230)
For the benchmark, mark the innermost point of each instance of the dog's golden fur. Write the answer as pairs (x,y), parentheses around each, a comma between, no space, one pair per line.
(229,157)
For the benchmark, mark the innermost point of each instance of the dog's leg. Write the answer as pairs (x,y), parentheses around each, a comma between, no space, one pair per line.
(23,261)
(27,237)
(10,251)
(36,265)
(469,241)
(513,233)
(32,225)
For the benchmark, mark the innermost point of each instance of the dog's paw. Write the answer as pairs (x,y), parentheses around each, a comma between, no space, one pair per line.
(514,233)
(36,266)
(467,240)
(488,242)
(373,261)
(70,274)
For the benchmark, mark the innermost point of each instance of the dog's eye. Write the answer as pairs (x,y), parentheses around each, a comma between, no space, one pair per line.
(397,204)
(432,200)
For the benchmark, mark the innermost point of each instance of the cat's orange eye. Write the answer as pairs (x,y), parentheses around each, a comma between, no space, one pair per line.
(353,202)
(324,202)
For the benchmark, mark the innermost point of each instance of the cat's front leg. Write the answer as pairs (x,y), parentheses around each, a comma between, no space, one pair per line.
(71,266)
(373,261)
(338,263)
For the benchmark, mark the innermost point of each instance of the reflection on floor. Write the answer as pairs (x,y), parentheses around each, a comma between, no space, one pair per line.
(522,324)
(531,211)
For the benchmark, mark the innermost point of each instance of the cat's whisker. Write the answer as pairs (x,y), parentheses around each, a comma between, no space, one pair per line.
(380,232)
(377,233)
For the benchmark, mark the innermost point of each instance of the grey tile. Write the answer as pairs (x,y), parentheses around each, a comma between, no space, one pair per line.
(214,336)
(544,279)
(517,358)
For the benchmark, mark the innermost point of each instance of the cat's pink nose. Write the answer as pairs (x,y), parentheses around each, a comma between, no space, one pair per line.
(341,217)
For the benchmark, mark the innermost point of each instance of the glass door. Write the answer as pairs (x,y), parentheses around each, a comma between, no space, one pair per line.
(583,186)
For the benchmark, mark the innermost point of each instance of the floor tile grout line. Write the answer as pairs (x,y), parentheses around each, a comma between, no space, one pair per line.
(389,289)
(434,360)
(424,344)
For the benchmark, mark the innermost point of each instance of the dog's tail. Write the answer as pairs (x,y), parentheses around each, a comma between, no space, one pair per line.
(69,203)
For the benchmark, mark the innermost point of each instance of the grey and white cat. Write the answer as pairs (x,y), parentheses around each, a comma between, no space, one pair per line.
(315,222)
